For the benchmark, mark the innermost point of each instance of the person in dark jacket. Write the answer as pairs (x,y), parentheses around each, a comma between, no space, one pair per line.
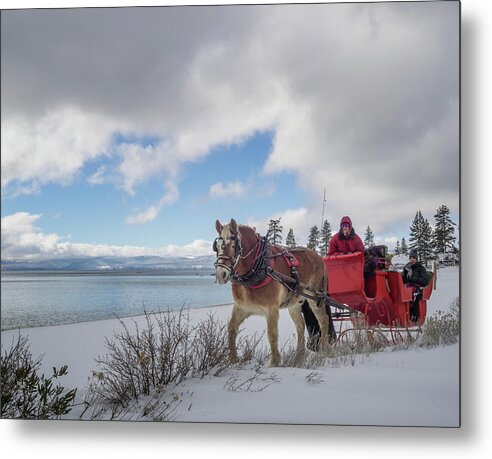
(415,276)
(414,272)
(345,241)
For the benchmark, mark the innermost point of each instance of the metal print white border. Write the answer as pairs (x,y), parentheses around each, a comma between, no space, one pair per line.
(127,133)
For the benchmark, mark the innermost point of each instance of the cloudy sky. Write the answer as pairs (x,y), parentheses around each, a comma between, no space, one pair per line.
(129,131)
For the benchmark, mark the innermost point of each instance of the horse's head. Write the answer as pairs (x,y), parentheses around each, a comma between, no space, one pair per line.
(228,248)
(235,245)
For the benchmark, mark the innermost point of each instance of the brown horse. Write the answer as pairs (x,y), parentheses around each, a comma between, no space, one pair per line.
(243,257)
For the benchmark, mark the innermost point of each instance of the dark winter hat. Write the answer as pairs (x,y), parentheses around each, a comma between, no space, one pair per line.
(413,254)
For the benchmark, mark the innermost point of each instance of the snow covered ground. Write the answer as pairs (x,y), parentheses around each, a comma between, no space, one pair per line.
(418,387)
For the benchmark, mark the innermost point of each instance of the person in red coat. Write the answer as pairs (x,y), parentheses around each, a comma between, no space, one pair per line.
(345,241)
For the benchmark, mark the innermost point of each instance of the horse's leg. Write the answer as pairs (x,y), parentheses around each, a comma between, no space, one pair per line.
(237,317)
(296,315)
(322,318)
(272,331)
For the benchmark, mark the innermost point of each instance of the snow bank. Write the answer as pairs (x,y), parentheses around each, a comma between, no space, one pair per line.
(416,388)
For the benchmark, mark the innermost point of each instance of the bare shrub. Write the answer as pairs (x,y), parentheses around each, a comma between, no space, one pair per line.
(154,407)
(210,348)
(250,350)
(314,377)
(26,394)
(443,328)
(256,383)
(291,358)
(139,361)
(167,350)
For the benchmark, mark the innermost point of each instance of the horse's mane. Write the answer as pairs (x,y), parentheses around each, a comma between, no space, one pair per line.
(249,231)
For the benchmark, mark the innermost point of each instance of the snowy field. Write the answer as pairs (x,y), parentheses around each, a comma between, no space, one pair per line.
(417,387)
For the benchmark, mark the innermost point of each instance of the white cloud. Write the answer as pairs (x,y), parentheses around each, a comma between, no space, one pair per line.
(362,102)
(22,240)
(140,163)
(218,190)
(52,148)
(170,197)
(376,120)
(195,248)
(98,177)
(300,220)
(143,217)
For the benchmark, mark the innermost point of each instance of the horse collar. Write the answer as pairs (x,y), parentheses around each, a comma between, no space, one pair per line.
(257,275)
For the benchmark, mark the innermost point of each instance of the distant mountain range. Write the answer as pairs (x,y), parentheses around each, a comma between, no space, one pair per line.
(203,263)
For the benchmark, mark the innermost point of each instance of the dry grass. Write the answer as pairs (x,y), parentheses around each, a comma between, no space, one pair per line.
(142,367)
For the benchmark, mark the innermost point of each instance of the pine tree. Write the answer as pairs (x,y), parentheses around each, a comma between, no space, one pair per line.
(415,240)
(397,248)
(313,238)
(369,237)
(290,241)
(404,247)
(325,238)
(443,240)
(274,233)
(421,237)
(426,251)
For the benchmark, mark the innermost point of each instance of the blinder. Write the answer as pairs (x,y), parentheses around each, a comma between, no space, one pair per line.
(215,245)
(222,258)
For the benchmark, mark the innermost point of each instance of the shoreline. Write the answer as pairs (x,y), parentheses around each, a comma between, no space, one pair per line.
(435,303)
(115,272)
(35,327)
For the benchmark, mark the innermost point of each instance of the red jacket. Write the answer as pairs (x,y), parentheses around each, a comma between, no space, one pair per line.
(340,244)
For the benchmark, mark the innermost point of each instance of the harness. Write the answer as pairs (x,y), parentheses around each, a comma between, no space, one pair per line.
(263,272)
(257,276)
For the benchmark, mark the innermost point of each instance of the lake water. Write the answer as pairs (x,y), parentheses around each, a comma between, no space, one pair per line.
(34,300)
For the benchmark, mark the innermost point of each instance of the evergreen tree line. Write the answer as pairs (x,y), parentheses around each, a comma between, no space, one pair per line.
(428,242)
(317,240)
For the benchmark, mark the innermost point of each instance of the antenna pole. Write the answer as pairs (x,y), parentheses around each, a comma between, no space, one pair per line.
(323,210)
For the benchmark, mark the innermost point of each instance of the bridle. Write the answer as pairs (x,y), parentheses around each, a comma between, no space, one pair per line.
(230,263)
(223,260)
